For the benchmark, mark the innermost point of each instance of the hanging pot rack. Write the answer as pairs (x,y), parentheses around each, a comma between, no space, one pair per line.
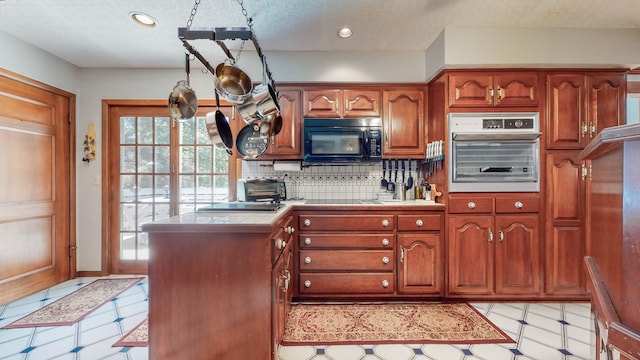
(218,35)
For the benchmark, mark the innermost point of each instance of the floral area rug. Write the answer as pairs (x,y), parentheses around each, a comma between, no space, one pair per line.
(77,305)
(331,324)
(138,336)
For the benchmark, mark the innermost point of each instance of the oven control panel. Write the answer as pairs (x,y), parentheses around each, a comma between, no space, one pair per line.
(510,123)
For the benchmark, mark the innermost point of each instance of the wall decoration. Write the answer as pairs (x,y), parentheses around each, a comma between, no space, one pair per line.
(90,144)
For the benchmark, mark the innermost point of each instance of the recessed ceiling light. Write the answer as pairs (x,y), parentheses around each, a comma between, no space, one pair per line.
(345,32)
(143,19)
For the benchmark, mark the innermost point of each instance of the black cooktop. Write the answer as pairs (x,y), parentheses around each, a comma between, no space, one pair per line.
(242,206)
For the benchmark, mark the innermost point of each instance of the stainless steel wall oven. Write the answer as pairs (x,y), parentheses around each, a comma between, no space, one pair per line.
(494,152)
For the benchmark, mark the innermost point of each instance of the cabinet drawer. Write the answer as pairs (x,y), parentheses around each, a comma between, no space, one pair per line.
(341,283)
(517,203)
(419,222)
(479,205)
(346,222)
(345,240)
(346,260)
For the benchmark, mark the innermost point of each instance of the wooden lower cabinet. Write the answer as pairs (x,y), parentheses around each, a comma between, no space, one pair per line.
(565,245)
(420,263)
(494,246)
(369,254)
(494,256)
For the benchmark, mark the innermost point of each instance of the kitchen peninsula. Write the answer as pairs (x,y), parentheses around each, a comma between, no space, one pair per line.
(221,280)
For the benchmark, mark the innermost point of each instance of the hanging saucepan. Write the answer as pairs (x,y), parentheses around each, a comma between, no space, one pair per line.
(250,143)
(249,111)
(232,84)
(271,125)
(219,129)
(265,96)
(183,103)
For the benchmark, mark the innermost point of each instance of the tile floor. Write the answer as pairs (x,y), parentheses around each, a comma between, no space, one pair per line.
(542,331)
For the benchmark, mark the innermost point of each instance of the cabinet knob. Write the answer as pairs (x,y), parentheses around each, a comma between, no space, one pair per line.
(385,242)
(280,244)
(289,229)
(307,222)
(307,283)
(307,241)
(385,222)
(307,260)
(419,223)
(471,205)
(385,260)
(385,283)
(518,205)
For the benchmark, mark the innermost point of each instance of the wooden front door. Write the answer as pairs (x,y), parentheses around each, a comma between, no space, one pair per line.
(36,186)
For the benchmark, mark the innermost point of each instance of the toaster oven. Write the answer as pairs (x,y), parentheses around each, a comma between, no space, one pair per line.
(251,190)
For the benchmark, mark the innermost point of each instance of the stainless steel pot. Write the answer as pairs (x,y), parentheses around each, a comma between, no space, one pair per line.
(232,84)
(183,103)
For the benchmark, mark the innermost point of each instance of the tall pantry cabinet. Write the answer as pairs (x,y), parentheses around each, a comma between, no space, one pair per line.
(579,106)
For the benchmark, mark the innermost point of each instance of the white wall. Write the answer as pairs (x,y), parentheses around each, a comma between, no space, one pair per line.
(454,48)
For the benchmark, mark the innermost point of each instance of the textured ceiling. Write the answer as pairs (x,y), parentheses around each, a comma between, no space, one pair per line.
(91,33)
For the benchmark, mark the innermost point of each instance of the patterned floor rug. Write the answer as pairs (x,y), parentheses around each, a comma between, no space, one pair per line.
(77,305)
(450,323)
(138,336)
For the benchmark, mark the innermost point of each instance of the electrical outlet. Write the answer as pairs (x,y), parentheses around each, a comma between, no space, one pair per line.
(96,179)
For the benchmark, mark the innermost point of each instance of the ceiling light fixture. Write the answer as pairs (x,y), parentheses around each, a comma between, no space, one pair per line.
(143,19)
(345,32)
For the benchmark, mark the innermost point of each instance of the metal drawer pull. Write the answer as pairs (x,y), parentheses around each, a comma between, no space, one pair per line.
(289,229)
(307,222)
(385,242)
(385,222)
(490,235)
(307,260)
(307,241)
(286,277)
(419,222)
(518,205)
(307,283)
(281,244)
(471,205)
(385,283)
(500,235)
(385,260)
(401,254)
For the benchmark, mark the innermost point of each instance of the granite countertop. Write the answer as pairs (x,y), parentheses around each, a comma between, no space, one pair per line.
(263,221)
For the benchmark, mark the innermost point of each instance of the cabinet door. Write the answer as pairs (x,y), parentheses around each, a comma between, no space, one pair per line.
(322,103)
(565,245)
(516,89)
(361,103)
(420,267)
(607,102)
(566,99)
(286,145)
(517,254)
(403,123)
(470,255)
(470,90)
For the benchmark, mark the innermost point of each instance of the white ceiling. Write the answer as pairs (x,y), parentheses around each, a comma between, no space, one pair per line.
(93,33)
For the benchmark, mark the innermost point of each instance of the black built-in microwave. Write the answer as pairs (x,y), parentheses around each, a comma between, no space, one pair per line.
(342,140)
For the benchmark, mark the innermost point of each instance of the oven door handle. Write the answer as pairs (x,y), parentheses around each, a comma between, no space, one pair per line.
(497,169)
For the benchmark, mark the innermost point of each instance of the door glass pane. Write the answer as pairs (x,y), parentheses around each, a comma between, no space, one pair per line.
(147,147)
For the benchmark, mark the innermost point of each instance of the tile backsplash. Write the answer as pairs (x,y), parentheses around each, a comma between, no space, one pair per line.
(359,182)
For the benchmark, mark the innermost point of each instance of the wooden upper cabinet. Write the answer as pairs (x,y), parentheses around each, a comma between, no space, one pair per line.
(341,103)
(287,144)
(403,123)
(484,89)
(607,101)
(566,101)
